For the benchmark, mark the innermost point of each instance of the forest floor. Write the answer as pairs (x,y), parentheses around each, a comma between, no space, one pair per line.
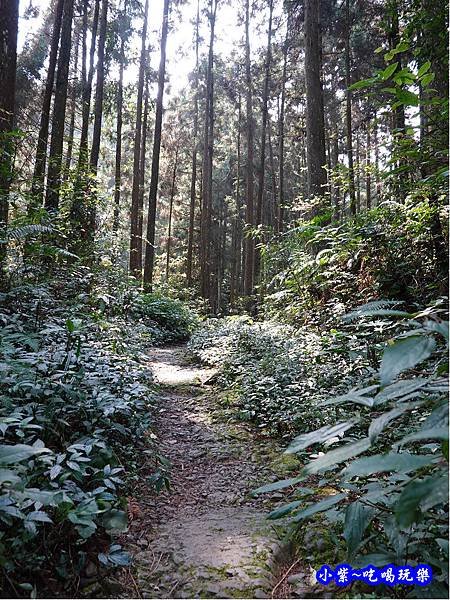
(207,536)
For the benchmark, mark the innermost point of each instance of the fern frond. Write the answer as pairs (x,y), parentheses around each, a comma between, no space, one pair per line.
(378,308)
(23,232)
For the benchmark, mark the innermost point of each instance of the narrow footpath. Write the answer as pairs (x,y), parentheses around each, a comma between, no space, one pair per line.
(207,537)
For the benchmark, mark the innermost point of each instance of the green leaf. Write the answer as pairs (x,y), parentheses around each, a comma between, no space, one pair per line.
(363,83)
(334,457)
(320,435)
(379,463)
(277,485)
(39,515)
(404,353)
(407,98)
(14,454)
(427,79)
(115,520)
(6,475)
(435,433)
(424,69)
(357,518)
(284,510)
(378,424)
(319,507)
(357,397)
(408,507)
(398,389)
(388,71)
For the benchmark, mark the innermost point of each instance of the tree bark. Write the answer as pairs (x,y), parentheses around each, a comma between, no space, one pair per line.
(249,242)
(368,166)
(119,124)
(315,131)
(142,161)
(280,218)
(37,187)
(9,19)
(348,111)
(190,249)
(59,111)
(262,160)
(73,108)
(207,168)
(151,223)
(236,241)
(169,226)
(135,234)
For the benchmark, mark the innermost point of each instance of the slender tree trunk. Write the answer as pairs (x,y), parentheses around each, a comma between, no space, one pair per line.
(151,223)
(280,218)
(272,209)
(99,90)
(190,249)
(377,162)
(37,187)
(59,111)
(87,91)
(334,164)
(236,242)
(368,166)
(208,149)
(169,226)
(315,131)
(358,172)
(142,162)
(262,160)
(135,234)
(348,111)
(119,124)
(249,242)
(9,19)
(73,108)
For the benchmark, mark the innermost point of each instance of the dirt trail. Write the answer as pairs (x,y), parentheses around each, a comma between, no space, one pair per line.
(208,537)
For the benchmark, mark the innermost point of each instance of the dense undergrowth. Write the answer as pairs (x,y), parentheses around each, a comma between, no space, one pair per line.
(76,421)
(358,396)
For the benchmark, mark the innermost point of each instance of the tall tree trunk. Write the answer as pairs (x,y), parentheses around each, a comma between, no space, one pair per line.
(249,242)
(135,234)
(358,171)
(151,223)
(377,161)
(190,249)
(207,168)
(368,167)
(37,187)
(348,111)
(336,192)
(73,108)
(236,241)
(99,90)
(262,160)
(271,212)
(142,162)
(280,217)
(9,20)
(87,90)
(119,124)
(169,225)
(59,111)
(315,130)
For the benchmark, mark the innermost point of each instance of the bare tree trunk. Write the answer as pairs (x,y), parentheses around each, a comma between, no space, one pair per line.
(315,131)
(169,226)
(236,241)
(59,111)
(348,111)
(151,223)
(99,89)
(358,172)
(368,166)
(271,213)
(37,187)
(206,216)
(262,160)
(334,163)
(190,249)
(9,20)
(73,108)
(119,124)
(87,90)
(280,218)
(249,242)
(135,234)
(142,160)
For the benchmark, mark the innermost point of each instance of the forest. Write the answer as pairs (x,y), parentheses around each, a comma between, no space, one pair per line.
(224,299)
